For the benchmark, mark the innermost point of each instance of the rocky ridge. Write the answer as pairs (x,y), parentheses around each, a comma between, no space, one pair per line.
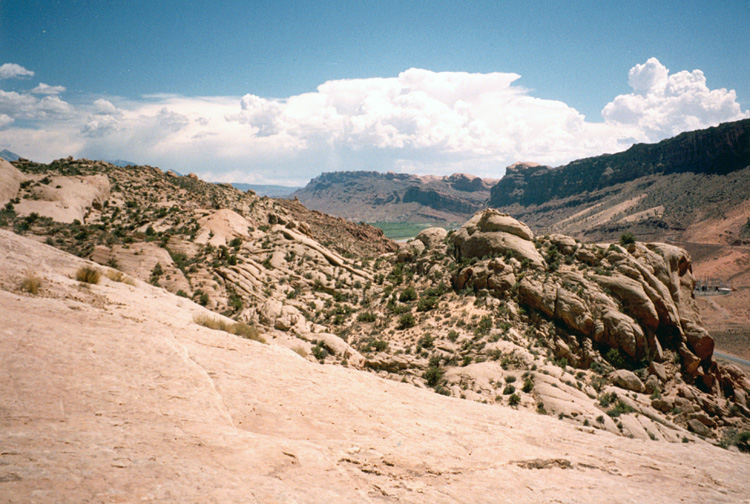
(671,189)
(604,336)
(396,197)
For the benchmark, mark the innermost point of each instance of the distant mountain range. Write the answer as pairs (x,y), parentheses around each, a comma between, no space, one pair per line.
(273,191)
(9,156)
(669,189)
(396,197)
(121,162)
(690,187)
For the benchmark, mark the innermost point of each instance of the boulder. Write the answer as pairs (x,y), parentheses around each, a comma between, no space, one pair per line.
(627,380)
(697,427)
(659,370)
(564,244)
(621,331)
(432,237)
(491,233)
(410,251)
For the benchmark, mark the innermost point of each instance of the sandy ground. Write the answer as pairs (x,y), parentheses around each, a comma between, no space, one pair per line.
(111,393)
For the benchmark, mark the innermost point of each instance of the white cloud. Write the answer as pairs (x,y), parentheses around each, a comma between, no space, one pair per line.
(5,120)
(419,121)
(664,105)
(45,89)
(13,70)
(27,106)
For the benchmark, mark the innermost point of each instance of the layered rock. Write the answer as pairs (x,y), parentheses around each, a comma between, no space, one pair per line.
(492,233)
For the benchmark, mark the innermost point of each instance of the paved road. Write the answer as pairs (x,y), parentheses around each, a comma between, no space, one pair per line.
(732,358)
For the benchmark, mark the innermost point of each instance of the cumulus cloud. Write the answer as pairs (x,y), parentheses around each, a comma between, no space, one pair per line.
(14,71)
(5,120)
(419,121)
(662,105)
(45,89)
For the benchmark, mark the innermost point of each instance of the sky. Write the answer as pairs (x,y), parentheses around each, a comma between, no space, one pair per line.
(281,91)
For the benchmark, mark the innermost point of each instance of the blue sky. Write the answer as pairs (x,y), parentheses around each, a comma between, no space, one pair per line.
(281,91)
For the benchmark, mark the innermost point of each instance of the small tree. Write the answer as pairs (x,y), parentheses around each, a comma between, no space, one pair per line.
(627,239)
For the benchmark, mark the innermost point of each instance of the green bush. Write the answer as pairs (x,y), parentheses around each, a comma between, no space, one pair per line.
(427,304)
(366,317)
(433,375)
(406,321)
(408,294)
(528,385)
(514,400)
(627,239)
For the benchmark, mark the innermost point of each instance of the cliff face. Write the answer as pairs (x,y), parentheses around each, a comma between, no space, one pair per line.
(690,185)
(373,196)
(714,151)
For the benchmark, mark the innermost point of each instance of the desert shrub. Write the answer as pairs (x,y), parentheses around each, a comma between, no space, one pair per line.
(119,276)
(510,379)
(31,283)
(528,385)
(427,304)
(426,341)
(406,321)
(181,293)
(615,357)
(408,294)
(620,409)
(237,328)
(509,389)
(366,317)
(87,274)
(514,400)
(301,351)
(319,351)
(627,239)
(433,375)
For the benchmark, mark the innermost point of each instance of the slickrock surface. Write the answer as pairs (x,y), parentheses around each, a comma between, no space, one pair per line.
(111,393)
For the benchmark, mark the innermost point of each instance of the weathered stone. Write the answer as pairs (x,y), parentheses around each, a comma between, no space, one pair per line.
(659,370)
(565,244)
(573,312)
(690,361)
(699,340)
(697,427)
(652,382)
(492,233)
(633,297)
(704,419)
(538,295)
(621,331)
(627,380)
(432,237)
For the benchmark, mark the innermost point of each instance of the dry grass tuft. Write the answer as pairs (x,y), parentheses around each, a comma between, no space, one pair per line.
(31,283)
(236,328)
(301,351)
(87,274)
(119,276)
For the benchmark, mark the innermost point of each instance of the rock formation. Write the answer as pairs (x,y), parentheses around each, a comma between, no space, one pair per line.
(603,336)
